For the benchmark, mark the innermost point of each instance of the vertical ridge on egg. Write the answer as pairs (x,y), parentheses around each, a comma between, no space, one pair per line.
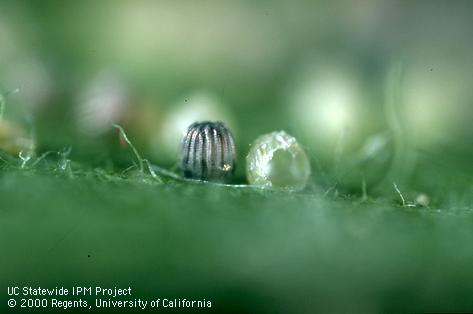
(208,152)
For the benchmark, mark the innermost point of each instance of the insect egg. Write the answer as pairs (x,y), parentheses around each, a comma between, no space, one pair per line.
(277,160)
(208,152)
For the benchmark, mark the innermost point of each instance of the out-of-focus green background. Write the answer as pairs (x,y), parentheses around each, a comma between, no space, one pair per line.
(377,92)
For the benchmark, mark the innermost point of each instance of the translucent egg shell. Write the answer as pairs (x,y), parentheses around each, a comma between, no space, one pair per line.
(276,160)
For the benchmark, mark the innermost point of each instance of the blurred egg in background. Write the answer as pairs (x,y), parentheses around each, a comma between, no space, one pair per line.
(347,132)
(437,95)
(102,103)
(32,79)
(324,105)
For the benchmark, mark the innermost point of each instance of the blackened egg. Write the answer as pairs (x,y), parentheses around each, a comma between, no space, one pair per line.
(208,152)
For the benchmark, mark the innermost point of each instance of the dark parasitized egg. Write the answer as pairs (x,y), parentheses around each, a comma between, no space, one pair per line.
(208,152)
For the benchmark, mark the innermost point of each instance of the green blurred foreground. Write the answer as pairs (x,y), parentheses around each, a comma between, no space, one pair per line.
(246,250)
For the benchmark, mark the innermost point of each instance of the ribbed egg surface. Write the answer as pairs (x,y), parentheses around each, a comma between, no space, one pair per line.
(208,152)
